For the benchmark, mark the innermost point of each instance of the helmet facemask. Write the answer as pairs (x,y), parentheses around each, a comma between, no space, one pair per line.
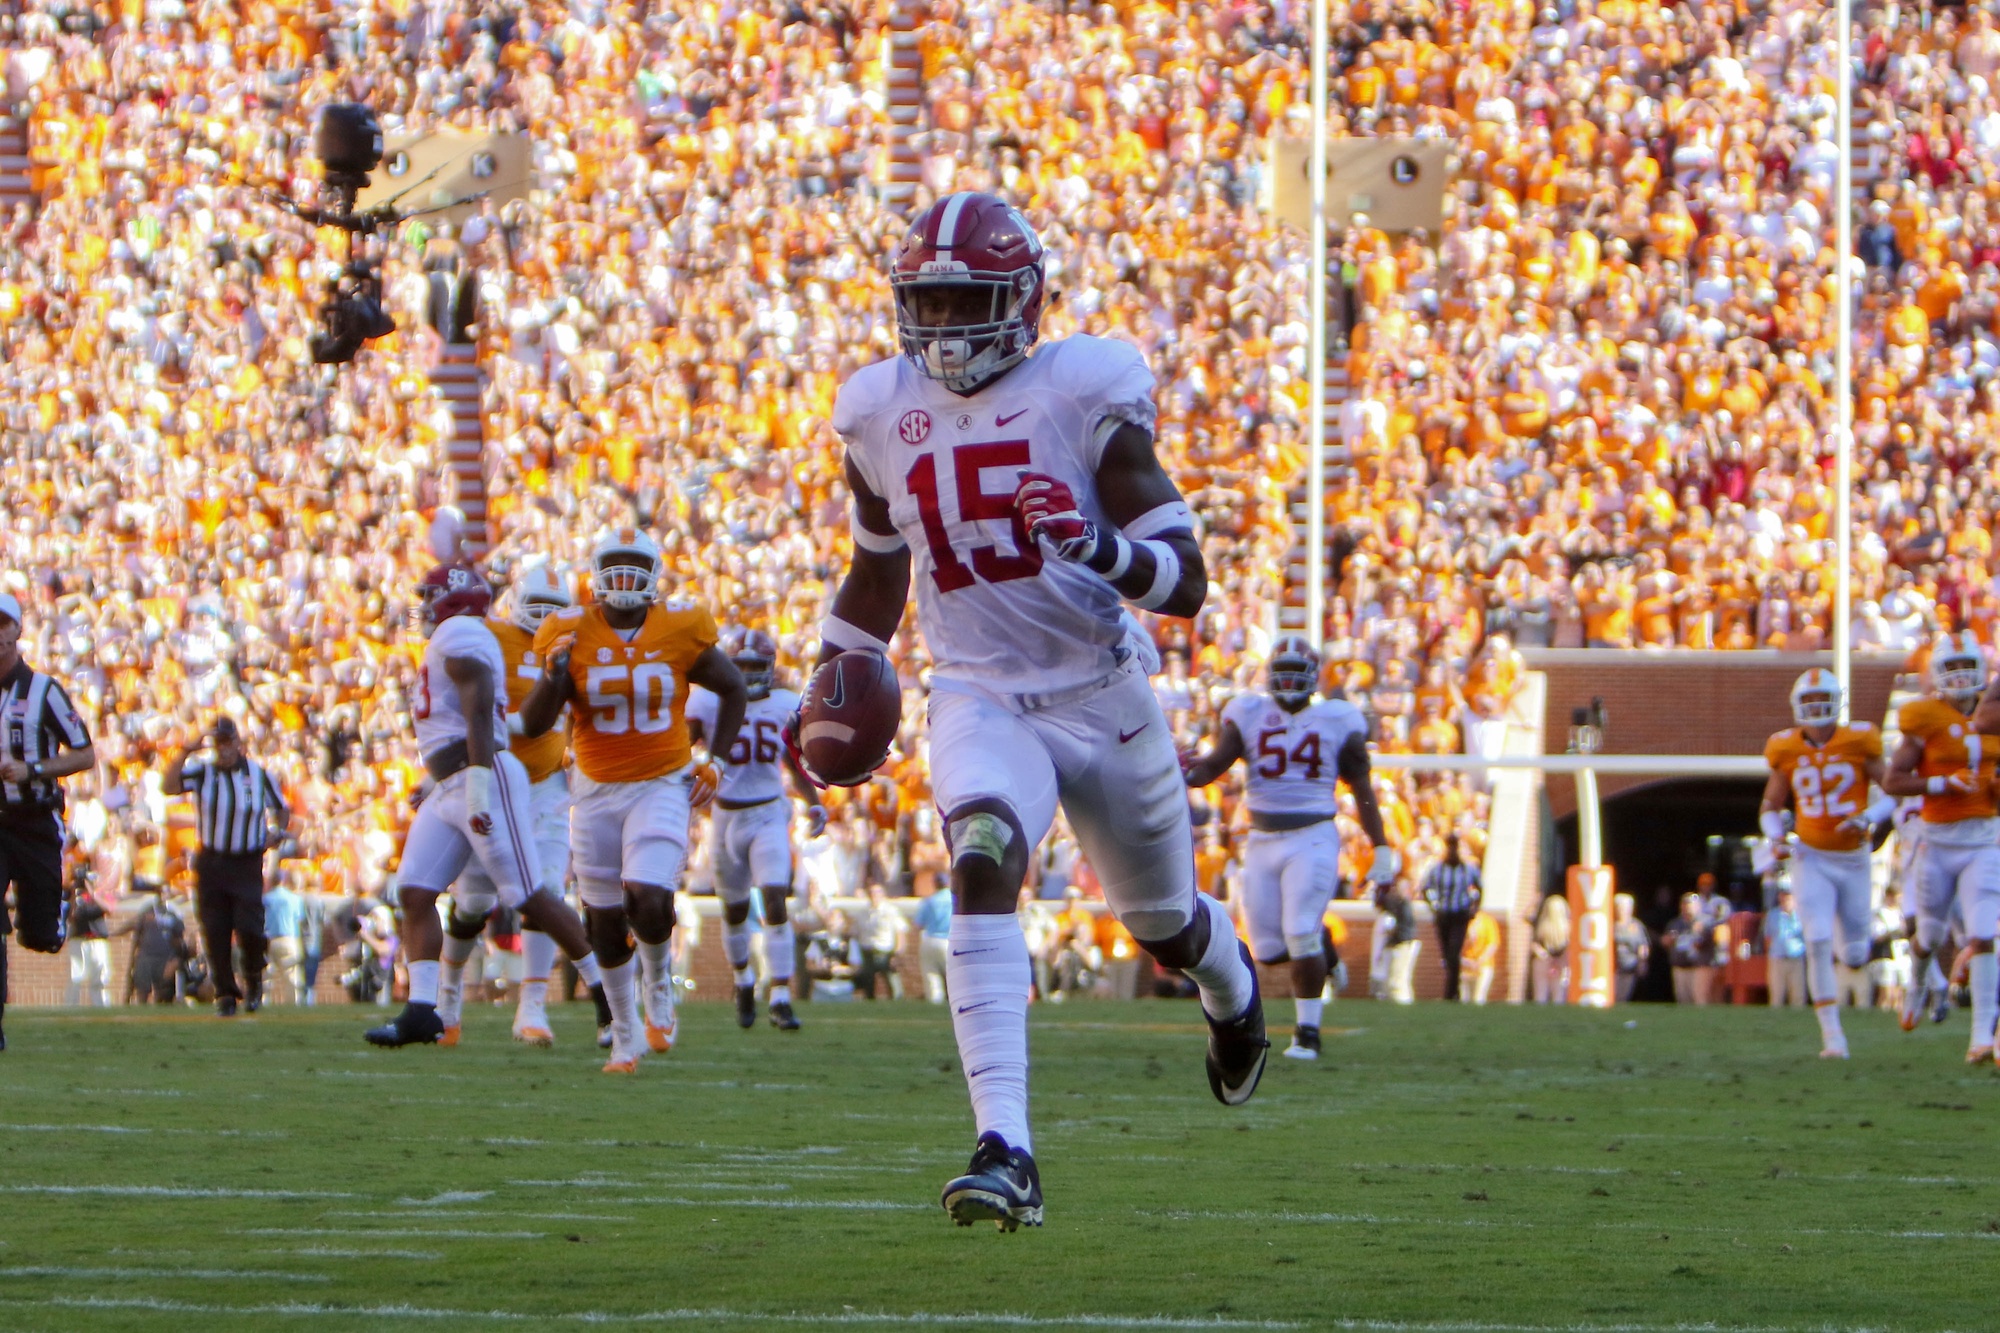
(759,674)
(1293,680)
(1816,708)
(1960,679)
(964,328)
(532,611)
(625,580)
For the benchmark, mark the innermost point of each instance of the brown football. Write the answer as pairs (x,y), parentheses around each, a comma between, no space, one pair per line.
(852,709)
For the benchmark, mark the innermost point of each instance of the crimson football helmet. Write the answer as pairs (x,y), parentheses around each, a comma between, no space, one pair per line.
(447,591)
(1294,672)
(755,654)
(968,284)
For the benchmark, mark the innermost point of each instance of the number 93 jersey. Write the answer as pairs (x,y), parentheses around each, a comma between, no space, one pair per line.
(1293,758)
(435,708)
(1829,782)
(627,719)
(753,771)
(992,610)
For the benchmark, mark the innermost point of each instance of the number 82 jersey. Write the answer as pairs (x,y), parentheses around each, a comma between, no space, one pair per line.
(1293,758)
(1829,782)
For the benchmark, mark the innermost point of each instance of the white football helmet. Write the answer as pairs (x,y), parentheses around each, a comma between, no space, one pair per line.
(1958,668)
(1816,698)
(1294,671)
(625,569)
(537,593)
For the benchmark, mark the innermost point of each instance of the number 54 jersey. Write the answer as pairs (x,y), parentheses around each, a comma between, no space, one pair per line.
(993,612)
(628,715)
(1829,782)
(1293,757)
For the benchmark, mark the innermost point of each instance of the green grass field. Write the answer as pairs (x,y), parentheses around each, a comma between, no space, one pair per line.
(1443,1169)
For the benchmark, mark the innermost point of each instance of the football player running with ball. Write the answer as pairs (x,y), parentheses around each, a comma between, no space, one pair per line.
(1021,495)
(480,810)
(1820,775)
(753,826)
(1944,759)
(1294,748)
(623,665)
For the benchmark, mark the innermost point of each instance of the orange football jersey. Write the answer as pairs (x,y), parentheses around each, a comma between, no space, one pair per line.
(540,755)
(1950,746)
(627,719)
(1829,782)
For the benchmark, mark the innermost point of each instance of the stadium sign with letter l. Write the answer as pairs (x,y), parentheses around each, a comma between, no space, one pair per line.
(1593,961)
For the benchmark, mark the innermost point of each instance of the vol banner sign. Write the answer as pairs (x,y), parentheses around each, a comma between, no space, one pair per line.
(1593,965)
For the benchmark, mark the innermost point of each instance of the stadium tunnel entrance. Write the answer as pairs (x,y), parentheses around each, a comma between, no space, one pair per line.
(1659,837)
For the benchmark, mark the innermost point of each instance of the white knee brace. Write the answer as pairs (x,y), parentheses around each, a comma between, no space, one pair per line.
(980,833)
(1304,946)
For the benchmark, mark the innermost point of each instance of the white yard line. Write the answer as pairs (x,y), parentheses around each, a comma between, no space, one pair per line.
(427,1233)
(344,1252)
(175,1192)
(406,1216)
(1523,1224)
(193,1274)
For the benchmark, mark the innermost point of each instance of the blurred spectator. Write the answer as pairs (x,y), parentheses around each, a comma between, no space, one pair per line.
(1548,951)
(1631,943)
(1691,946)
(89,943)
(1479,960)
(932,920)
(284,920)
(878,934)
(160,953)
(1785,953)
(1396,929)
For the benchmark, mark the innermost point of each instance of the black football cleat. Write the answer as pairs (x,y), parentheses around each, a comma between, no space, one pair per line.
(417,1025)
(746,1006)
(1237,1047)
(1305,1043)
(1001,1186)
(782,1017)
(254,1002)
(226,1007)
(603,1003)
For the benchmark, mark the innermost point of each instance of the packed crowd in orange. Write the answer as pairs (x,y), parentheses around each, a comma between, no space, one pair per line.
(1592,411)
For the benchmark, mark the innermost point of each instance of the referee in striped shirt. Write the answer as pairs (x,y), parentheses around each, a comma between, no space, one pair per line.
(239,815)
(1452,890)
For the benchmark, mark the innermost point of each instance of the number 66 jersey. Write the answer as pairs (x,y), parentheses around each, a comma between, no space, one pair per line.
(992,611)
(1293,758)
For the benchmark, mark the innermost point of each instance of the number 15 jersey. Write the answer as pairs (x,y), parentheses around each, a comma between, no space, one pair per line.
(992,611)
(1293,758)
(627,716)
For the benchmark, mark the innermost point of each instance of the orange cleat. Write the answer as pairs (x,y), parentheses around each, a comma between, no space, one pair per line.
(662,1039)
(629,1065)
(1979,1055)
(533,1036)
(450,1037)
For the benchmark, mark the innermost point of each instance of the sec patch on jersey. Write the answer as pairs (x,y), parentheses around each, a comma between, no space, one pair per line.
(852,709)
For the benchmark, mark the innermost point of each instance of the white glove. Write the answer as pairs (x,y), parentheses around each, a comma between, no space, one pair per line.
(815,820)
(1388,864)
(515,727)
(479,799)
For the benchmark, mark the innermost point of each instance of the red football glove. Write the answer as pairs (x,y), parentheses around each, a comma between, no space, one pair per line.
(790,736)
(1048,511)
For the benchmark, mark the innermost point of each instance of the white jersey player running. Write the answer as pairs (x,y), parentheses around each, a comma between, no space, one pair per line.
(1022,497)
(753,824)
(480,806)
(1294,747)
(536,594)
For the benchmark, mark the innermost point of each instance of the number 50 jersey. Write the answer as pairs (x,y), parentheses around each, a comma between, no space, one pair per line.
(993,612)
(1293,758)
(628,713)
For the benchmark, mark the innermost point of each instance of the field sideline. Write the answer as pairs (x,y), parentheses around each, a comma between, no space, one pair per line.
(1444,1169)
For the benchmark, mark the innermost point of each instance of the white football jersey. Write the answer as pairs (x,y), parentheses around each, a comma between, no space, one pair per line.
(994,611)
(438,716)
(754,768)
(1293,758)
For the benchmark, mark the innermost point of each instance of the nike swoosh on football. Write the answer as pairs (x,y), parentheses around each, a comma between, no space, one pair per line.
(1001,421)
(1124,736)
(839,694)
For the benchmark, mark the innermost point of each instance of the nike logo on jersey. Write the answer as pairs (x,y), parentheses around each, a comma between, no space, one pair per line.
(1001,421)
(650,656)
(1124,736)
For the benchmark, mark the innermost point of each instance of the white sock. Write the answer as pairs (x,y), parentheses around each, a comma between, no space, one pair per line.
(1934,978)
(656,964)
(781,993)
(1226,984)
(587,970)
(625,1023)
(1822,983)
(746,976)
(534,998)
(424,982)
(736,944)
(1982,977)
(538,955)
(1828,1014)
(778,949)
(990,977)
(451,992)
(1309,1012)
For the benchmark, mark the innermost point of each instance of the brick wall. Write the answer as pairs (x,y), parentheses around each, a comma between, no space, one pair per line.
(1686,702)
